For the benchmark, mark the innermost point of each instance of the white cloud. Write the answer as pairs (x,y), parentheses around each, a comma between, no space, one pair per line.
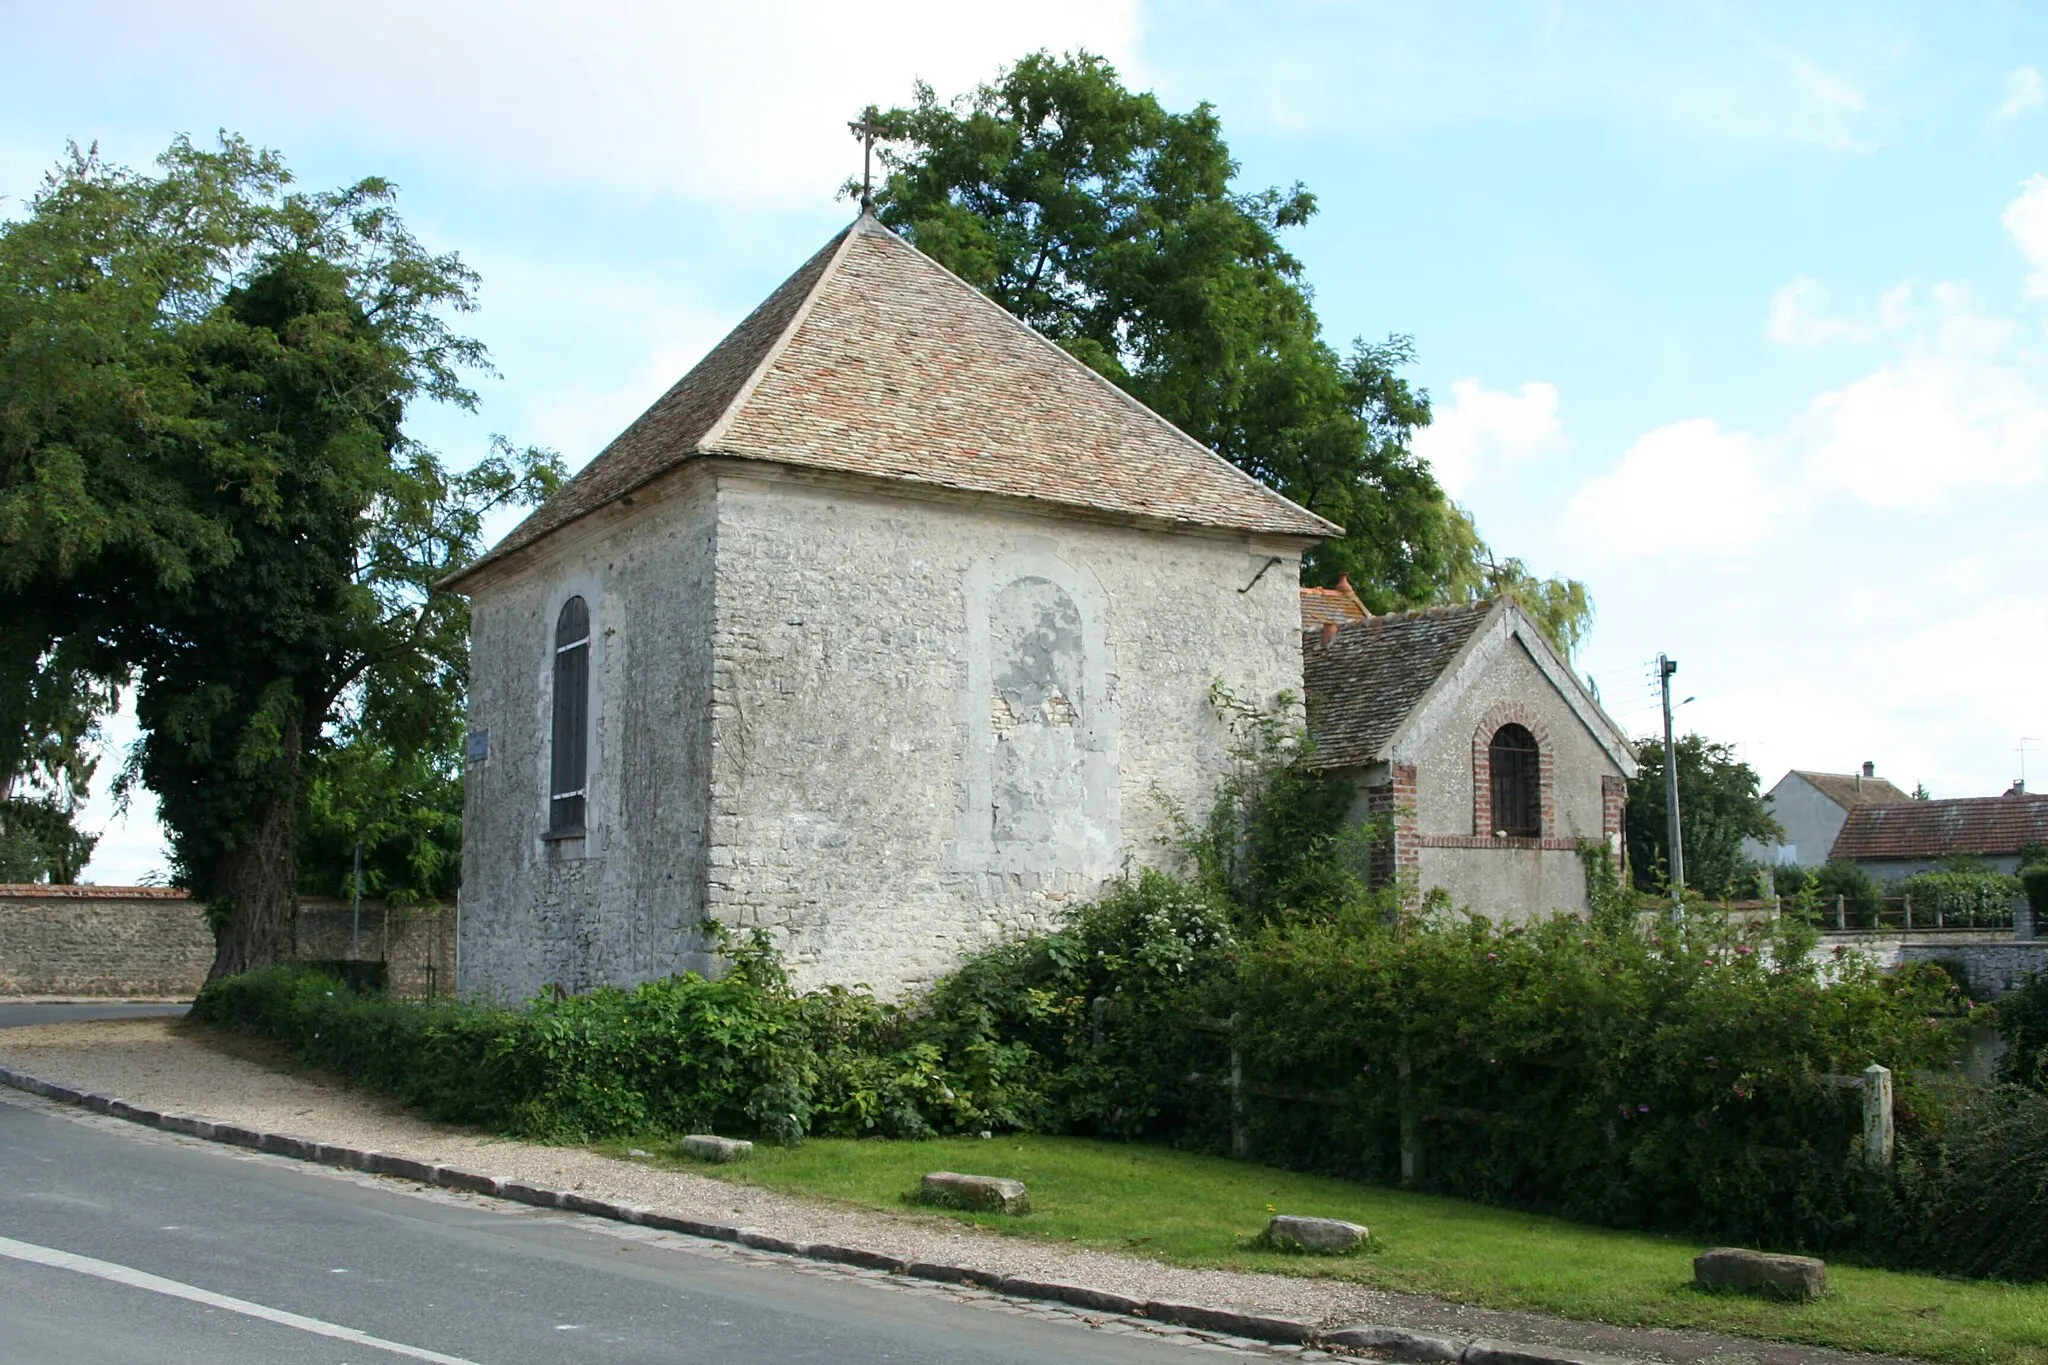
(703,101)
(2026,222)
(1799,315)
(1913,433)
(1687,489)
(1482,430)
(2024,91)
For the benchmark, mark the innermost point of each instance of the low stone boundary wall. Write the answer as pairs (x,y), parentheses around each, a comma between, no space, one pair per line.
(101,941)
(113,941)
(1995,961)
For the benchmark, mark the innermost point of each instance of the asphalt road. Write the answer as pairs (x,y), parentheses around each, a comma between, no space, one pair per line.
(20,1013)
(120,1245)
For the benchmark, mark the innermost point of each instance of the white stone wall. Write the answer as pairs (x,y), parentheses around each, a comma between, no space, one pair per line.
(888,728)
(622,904)
(940,721)
(1503,882)
(1810,821)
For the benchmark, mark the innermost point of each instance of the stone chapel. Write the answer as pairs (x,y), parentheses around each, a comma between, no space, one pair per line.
(890,628)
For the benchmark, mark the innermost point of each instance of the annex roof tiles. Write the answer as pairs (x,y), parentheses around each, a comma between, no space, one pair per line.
(1368,675)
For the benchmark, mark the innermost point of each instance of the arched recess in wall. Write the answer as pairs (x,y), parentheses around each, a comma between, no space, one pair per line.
(1040,780)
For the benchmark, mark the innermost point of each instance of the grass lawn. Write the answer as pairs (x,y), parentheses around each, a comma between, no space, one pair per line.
(1200,1211)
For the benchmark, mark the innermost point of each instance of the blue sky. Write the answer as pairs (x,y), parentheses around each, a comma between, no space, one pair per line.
(1735,311)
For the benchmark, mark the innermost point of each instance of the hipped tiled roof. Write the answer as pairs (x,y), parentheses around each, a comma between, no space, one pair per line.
(1989,826)
(1848,790)
(1331,606)
(1368,675)
(873,359)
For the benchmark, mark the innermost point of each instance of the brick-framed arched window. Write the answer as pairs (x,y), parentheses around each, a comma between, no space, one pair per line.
(1513,792)
(1515,782)
(569,756)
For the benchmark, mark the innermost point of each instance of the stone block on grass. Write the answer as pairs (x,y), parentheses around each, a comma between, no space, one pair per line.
(1763,1273)
(985,1193)
(1325,1236)
(706,1147)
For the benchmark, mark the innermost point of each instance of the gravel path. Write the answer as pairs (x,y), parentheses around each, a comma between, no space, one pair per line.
(172,1066)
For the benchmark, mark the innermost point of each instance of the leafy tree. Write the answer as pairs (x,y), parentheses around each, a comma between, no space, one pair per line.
(1720,805)
(1110,224)
(50,705)
(204,483)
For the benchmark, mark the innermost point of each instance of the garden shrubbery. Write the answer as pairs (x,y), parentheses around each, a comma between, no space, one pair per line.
(1964,889)
(1665,1077)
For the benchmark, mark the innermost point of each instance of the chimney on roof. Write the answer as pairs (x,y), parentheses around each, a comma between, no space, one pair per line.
(1869,768)
(1344,582)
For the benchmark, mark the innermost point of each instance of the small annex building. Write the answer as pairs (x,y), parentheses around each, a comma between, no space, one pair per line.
(1811,808)
(889,629)
(1491,760)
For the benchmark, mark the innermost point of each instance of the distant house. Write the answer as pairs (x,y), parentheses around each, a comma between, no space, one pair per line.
(1490,757)
(1900,839)
(1810,807)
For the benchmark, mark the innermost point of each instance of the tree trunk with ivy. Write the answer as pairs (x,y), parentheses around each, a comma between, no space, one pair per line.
(255,886)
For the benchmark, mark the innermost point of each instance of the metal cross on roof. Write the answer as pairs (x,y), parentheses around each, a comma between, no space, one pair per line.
(867,129)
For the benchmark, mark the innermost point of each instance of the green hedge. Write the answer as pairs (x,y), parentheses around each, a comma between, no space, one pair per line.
(680,1054)
(1670,1080)
(1665,1080)
(1961,894)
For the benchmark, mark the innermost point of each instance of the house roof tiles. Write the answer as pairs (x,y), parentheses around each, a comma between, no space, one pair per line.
(872,359)
(1327,606)
(1987,826)
(1849,790)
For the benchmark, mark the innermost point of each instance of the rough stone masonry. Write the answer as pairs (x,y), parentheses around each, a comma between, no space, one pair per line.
(902,633)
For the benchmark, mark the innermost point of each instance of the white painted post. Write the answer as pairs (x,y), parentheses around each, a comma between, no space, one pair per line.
(1411,1122)
(1240,1127)
(1877,1117)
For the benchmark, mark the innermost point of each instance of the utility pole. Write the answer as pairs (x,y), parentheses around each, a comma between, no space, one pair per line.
(1672,824)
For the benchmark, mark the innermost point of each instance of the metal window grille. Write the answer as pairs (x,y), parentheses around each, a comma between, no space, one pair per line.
(1517,783)
(569,766)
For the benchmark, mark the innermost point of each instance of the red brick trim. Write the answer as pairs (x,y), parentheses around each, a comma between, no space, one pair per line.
(1395,857)
(1614,815)
(1511,713)
(1488,841)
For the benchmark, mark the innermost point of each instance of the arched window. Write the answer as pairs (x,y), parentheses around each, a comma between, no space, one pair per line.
(570,766)
(1517,782)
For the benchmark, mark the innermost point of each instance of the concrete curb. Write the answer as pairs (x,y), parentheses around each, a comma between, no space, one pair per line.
(1386,1343)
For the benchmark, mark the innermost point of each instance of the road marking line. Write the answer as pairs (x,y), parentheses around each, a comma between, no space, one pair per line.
(156,1284)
